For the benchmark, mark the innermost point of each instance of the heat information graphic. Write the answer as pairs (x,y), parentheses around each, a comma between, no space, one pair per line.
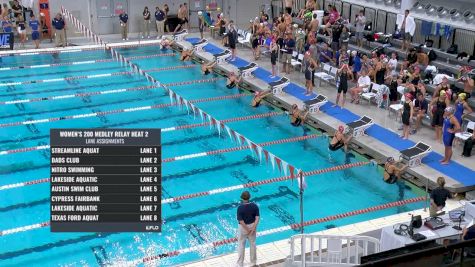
(105,180)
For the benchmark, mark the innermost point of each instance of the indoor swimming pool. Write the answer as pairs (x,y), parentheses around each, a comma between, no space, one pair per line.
(89,89)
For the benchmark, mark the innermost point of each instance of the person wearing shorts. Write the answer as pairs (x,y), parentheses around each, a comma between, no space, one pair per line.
(288,48)
(274,50)
(360,25)
(232,39)
(35,26)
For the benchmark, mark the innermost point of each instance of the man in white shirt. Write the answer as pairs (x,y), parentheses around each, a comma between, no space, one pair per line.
(362,86)
(360,24)
(406,26)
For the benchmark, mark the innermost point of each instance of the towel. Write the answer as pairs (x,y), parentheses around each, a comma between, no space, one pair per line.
(426,28)
(410,24)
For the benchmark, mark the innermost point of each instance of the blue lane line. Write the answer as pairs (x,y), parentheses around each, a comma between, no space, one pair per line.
(455,170)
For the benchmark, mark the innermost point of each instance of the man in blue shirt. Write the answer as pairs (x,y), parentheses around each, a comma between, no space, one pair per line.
(160,21)
(59,30)
(124,18)
(356,64)
(35,33)
(248,218)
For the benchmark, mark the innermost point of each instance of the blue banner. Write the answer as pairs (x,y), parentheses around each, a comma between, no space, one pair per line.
(6,41)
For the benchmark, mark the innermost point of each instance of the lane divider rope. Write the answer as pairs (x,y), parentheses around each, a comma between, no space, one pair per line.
(103,75)
(193,82)
(86,62)
(238,148)
(169,129)
(46,52)
(78,95)
(102,113)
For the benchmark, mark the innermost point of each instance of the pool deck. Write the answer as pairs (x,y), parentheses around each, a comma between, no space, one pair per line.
(422,175)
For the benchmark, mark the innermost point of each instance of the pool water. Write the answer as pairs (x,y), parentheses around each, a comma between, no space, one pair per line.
(186,223)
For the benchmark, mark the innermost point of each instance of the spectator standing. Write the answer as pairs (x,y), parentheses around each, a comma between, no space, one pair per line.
(17,9)
(288,48)
(166,9)
(392,64)
(336,33)
(7,25)
(344,38)
(288,4)
(160,21)
(35,33)
(124,24)
(248,219)
(438,196)
(146,23)
(406,26)
(360,25)
(45,32)
(356,64)
(59,27)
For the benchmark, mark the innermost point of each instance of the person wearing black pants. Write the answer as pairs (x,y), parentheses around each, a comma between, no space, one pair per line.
(467,146)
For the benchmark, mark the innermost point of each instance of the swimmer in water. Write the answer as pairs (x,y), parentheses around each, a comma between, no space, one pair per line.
(339,140)
(186,55)
(233,80)
(206,68)
(296,116)
(258,96)
(392,170)
(166,44)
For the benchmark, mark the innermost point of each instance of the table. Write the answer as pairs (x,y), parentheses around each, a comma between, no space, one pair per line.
(389,240)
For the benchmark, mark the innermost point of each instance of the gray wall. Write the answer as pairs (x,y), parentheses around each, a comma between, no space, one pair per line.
(86,10)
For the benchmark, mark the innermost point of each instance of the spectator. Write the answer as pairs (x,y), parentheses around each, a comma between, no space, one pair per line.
(362,86)
(326,56)
(7,24)
(344,38)
(336,33)
(467,146)
(360,25)
(334,15)
(422,59)
(392,64)
(406,26)
(411,58)
(59,27)
(44,28)
(186,14)
(4,10)
(288,4)
(288,47)
(146,23)
(166,9)
(356,65)
(450,127)
(35,34)
(160,21)
(17,9)
(468,85)
(124,25)
(420,110)
(248,218)
(438,196)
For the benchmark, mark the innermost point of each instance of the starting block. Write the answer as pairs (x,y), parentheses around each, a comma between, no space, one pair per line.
(413,156)
(359,127)
(221,57)
(179,36)
(278,86)
(246,71)
(313,105)
(200,45)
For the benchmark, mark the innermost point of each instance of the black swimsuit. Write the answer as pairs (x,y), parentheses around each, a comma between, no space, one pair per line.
(231,85)
(392,177)
(207,72)
(336,146)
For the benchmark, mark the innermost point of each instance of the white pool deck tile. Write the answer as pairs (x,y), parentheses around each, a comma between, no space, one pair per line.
(279,250)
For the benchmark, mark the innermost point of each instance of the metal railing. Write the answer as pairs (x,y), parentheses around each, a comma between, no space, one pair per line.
(323,250)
